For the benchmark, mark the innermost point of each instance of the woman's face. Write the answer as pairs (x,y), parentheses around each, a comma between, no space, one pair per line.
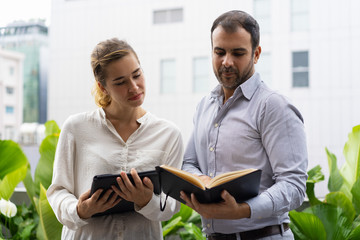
(125,82)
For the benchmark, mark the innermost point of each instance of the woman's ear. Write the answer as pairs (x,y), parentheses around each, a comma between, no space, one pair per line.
(102,88)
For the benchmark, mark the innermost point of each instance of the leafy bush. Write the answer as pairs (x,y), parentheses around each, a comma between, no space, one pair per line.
(337,216)
(184,224)
(36,221)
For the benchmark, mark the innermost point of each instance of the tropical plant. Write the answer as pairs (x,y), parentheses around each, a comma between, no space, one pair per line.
(36,221)
(337,216)
(184,224)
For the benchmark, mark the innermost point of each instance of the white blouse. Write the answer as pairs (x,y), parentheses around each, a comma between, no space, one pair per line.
(89,145)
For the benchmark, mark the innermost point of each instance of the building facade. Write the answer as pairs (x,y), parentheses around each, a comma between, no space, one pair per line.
(309,53)
(11,94)
(31,39)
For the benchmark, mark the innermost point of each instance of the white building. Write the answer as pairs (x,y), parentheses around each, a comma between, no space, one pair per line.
(310,54)
(11,97)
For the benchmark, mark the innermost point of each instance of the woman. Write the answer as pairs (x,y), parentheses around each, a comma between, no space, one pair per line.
(120,136)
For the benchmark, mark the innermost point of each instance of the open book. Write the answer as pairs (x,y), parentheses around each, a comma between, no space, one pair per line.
(242,184)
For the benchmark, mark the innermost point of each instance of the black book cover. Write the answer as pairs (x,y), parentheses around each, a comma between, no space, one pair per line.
(241,188)
(105,181)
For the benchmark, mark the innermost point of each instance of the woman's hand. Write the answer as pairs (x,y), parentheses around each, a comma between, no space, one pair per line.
(88,206)
(140,192)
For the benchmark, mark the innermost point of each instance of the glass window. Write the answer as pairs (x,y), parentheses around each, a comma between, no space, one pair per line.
(168,76)
(300,66)
(168,16)
(262,14)
(263,67)
(9,90)
(9,109)
(299,15)
(201,78)
(11,71)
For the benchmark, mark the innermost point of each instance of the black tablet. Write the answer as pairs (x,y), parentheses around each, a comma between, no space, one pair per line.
(105,181)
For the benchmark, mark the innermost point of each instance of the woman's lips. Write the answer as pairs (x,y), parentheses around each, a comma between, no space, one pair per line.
(136,97)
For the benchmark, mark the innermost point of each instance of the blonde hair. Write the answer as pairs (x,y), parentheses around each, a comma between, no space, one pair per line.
(103,54)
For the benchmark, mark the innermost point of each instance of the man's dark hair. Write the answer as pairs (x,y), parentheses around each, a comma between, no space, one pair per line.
(236,18)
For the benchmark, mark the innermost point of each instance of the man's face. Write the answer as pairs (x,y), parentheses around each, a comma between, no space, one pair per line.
(232,58)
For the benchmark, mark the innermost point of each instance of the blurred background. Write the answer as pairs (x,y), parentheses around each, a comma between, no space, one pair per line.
(310,52)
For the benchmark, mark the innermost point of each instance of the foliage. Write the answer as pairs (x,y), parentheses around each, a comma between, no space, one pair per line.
(36,221)
(184,224)
(337,217)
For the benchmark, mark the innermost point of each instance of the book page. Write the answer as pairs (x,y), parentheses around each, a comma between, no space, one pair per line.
(185,175)
(226,177)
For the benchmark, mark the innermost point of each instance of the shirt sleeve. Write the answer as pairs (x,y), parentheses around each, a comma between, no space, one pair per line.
(283,136)
(60,193)
(174,159)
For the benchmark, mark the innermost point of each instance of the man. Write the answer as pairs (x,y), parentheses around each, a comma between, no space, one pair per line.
(243,124)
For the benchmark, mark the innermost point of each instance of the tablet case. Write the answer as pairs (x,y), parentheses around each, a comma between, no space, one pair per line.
(105,181)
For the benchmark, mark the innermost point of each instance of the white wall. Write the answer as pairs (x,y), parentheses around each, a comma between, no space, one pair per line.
(10,122)
(328,105)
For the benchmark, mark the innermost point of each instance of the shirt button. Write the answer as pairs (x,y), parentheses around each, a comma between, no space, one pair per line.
(216,125)
(211,174)
(208,225)
(211,149)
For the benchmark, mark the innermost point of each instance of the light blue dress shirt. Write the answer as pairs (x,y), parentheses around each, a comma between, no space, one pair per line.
(255,128)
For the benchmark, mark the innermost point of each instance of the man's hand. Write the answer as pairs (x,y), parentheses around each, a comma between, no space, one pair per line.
(140,193)
(205,179)
(227,209)
(88,206)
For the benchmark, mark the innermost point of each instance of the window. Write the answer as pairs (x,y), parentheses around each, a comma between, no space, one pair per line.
(168,16)
(9,132)
(263,67)
(9,109)
(262,14)
(300,69)
(299,15)
(9,90)
(201,78)
(168,76)
(11,71)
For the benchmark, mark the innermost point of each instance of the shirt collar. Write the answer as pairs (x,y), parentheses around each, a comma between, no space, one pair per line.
(140,120)
(247,89)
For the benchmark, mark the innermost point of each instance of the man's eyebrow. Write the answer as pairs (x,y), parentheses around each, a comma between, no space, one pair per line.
(232,50)
(121,77)
(239,50)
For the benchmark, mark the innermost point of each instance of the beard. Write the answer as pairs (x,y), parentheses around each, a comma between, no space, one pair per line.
(236,78)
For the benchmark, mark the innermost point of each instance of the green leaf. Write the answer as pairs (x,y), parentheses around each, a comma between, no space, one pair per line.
(11,157)
(314,175)
(11,180)
(355,234)
(351,168)
(339,199)
(306,226)
(355,191)
(44,169)
(185,212)
(334,220)
(335,180)
(194,230)
(171,225)
(49,227)
(51,128)
(30,186)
